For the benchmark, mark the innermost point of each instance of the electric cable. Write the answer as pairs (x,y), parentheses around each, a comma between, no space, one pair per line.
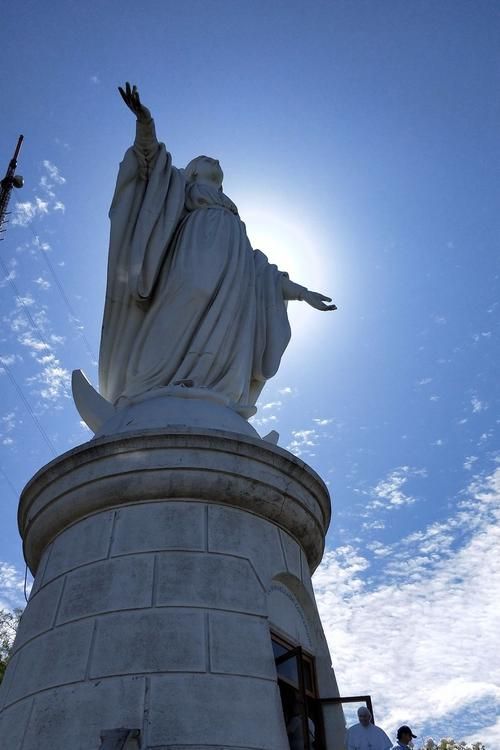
(22,303)
(9,482)
(64,296)
(29,409)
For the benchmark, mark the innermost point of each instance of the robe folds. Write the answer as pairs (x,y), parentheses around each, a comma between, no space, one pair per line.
(188,299)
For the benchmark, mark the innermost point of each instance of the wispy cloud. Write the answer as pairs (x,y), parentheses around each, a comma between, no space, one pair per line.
(431,613)
(53,379)
(11,275)
(287,391)
(477,405)
(26,211)
(389,493)
(54,172)
(371,525)
(302,442)
(272,405)
(469,462)
(42,283)
(31,342)
(8,423)
(11,587)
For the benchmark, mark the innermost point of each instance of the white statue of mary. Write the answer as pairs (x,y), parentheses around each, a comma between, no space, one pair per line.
(189,303)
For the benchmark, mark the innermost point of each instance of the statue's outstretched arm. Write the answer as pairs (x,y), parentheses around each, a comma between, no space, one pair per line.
(293,291)
(146,142)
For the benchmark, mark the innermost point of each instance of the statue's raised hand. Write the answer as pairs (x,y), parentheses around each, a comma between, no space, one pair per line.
(317,300)
(130,96)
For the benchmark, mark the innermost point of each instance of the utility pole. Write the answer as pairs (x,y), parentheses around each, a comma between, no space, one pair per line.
(10,180)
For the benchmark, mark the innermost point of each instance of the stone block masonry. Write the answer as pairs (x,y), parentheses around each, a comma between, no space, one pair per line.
(157,558)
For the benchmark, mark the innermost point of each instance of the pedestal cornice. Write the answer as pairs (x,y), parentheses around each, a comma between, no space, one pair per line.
(207,465)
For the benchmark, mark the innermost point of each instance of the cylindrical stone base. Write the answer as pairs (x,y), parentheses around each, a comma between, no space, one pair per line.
(162,563)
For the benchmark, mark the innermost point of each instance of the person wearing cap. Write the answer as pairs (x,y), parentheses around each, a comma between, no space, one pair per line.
(365,735)
(405,736)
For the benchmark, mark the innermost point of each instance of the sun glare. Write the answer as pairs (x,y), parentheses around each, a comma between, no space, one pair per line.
(293,245)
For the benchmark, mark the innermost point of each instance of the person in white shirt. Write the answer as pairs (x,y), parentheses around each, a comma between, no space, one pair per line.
(405,736)
(365,735)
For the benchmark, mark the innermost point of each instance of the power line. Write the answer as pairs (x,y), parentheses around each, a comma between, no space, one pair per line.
(29,409)
(22,303)
(9,482)
(64,296)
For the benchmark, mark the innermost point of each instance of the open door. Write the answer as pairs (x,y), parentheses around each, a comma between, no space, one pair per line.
(299,696)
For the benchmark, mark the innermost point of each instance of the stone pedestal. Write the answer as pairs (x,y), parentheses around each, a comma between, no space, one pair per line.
(162,560)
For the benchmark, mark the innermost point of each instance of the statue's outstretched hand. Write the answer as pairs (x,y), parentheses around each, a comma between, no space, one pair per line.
(317,300)
(130,96)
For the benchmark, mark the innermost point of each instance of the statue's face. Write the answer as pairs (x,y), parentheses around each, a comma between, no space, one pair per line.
(208,170)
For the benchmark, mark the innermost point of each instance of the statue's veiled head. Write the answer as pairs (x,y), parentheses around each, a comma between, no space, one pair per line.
(206,170)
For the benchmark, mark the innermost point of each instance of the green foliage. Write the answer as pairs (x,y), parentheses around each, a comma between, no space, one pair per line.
(8,627)
(449,744)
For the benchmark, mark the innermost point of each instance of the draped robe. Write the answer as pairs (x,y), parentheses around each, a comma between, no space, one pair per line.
(188,300)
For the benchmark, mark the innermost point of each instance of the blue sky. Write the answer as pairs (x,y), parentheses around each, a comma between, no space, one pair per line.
(360,141)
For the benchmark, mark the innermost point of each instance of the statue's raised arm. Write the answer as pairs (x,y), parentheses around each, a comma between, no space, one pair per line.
(130,95)
(146,143)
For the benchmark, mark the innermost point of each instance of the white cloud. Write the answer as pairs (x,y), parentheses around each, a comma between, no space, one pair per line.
(24,213)
(53,172)
(484,334)
(10,277)
(489,733)
(11,587)
(57,339)
(47,186)
(26,301)
(42,283)
(322,422)
(423,643)
(41,245)
(272,405)
(53,379)
(302,441)
(374,525)
(95,79)
(469,462)
(263,421)
(477,405)
(389,494)
(8,359)
(28,340)
(8,421)
(57,381)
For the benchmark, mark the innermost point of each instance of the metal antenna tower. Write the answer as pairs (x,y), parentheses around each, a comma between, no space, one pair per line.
(10,180)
